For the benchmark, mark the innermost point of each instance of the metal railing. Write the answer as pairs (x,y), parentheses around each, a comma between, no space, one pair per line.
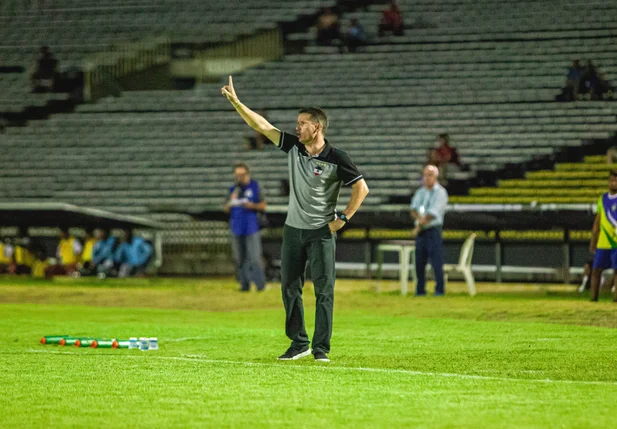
(266,45)
(104,68)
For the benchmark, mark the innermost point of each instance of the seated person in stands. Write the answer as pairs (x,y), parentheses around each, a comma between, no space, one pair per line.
(133,255)
(7,252)
(392,21)
(356,36)
(68,254)
(87,267)
(24,257)
(573,80)
(45,73)
(593,83)
(328,27)
(447,154)
(103,252)
(445,157)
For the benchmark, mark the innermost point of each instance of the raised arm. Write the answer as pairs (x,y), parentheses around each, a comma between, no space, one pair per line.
(254,120)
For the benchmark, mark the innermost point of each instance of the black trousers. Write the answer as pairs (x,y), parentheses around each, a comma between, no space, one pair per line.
(318,248)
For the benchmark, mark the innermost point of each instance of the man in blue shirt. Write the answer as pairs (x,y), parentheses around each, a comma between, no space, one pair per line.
(246,199)
(428,207)
(133,255)
(103,249)
(356,36)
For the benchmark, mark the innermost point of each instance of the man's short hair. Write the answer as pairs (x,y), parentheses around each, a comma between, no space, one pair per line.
(445,137)
(317,115)
(612,173)
(241,165)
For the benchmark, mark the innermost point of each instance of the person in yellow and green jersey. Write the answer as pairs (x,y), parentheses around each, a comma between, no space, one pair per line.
(68,254)
(23,258)
(604,236)
(87,267)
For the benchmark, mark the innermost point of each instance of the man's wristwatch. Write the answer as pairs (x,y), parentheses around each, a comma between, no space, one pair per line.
(343,217)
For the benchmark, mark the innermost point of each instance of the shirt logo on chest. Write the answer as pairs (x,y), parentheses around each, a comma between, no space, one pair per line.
(317,170)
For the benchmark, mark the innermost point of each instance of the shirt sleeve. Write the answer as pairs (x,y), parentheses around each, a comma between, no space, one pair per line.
(415,201)
(438,206)
(347,171)
(287,142)
(599,206)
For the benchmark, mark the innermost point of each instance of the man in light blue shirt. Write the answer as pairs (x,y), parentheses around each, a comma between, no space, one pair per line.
(428,207)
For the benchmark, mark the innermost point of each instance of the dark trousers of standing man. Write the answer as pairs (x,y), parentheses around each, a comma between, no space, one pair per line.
(429,247)
(318,247)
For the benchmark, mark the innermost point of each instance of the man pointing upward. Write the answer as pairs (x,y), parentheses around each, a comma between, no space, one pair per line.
(317,170)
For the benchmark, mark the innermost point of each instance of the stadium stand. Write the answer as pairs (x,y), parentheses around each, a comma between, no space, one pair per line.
(569,183)
(15,90)
(74,29)
(487,78)
(77,27)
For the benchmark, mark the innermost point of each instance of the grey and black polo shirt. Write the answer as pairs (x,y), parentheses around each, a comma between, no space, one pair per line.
(315,182)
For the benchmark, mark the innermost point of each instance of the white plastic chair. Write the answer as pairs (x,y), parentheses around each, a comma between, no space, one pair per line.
(464,264)
(407,251)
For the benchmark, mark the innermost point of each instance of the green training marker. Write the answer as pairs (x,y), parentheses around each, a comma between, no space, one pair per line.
(84,342)
(70,341)
(102,344)
(53,339)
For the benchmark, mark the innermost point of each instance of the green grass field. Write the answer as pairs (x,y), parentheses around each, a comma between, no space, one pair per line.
(509,357)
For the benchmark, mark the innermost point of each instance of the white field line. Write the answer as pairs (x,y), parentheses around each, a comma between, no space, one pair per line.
(333,367)
(177,340)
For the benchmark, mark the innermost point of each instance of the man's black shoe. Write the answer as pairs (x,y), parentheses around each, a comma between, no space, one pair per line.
(294,354)
(321,357)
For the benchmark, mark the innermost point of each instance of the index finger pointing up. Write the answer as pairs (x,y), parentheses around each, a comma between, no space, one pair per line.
(231,82)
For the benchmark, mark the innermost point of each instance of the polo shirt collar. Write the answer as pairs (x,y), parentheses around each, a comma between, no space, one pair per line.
(326,150)
(323,154)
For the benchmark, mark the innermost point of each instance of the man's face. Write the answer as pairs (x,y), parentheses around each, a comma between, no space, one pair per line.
(307,130)
(242,176)
(612,184)
(430,177)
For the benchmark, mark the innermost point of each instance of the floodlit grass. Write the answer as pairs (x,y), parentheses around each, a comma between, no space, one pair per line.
(509,357)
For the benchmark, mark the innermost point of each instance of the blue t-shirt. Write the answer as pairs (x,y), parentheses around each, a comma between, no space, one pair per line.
(244,221)
(103,250)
